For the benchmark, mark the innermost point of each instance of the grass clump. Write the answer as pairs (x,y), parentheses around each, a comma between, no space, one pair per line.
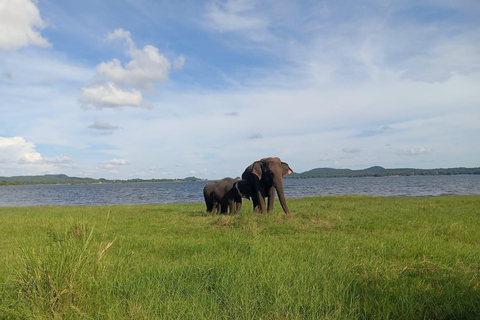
(56,279)
(51,278)
(348,257)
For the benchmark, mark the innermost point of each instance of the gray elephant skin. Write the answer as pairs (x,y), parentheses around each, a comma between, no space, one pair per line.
(226,195)
(264,177)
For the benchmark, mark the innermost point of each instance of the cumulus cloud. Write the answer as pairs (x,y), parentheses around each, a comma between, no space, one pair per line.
(115,163)
(100,125)
(109,96)
(147,68)
(20,23)
(125,82)
(17,150)
(121,34)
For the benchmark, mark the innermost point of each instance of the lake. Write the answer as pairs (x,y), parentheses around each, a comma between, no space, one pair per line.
(192,191)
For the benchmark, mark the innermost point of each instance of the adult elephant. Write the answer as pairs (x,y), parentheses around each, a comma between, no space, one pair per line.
(226,195)
(264,177)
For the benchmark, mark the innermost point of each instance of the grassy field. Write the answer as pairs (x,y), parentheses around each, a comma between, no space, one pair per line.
(347,257)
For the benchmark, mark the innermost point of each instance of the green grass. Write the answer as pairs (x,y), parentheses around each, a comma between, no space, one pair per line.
(347,257)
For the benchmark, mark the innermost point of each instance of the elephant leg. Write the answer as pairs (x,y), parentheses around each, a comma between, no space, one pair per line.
(209,205)
(224,208)
(271,199)
(208,202)
(260,195)
(261,201)
(255,204)
(238,206)
(215,206)
(231,206)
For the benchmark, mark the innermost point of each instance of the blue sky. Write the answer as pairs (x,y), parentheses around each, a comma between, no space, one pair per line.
(169,89)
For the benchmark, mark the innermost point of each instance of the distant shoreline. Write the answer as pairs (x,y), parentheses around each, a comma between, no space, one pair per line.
(381,172)
(62,179)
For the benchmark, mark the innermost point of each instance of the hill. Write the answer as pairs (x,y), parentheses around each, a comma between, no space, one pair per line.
(46,179)
(378,171)
(375,171)
(64,179)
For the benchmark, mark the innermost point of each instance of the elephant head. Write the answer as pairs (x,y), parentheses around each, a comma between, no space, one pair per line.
(265,176)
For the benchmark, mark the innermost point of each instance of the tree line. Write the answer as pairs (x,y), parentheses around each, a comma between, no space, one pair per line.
(64,179)
(378,171)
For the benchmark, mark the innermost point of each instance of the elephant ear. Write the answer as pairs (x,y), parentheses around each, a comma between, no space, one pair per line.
(286,170)
(257,169)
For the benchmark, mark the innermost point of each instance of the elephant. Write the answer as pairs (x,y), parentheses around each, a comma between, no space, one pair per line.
(207,194)
(264,177)
(226,195)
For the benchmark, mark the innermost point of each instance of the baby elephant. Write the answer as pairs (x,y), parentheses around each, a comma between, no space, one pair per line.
(225,195)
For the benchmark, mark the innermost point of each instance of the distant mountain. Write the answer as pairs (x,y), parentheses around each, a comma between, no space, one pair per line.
(378,171)
(314,173)
(64,179)
(46,179)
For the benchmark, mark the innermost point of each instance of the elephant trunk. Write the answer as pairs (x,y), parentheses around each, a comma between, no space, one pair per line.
(278,184)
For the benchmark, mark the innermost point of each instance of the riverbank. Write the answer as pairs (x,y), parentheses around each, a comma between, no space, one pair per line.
(338,257)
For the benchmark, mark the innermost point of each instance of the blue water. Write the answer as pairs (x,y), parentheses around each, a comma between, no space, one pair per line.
(181,192)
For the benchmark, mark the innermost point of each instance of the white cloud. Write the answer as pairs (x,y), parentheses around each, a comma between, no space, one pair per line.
(31,157)
(115,163)
(125,83)
(20,23)
(36,158)
(17,150)
(121,34)
(110,96)
(147,68)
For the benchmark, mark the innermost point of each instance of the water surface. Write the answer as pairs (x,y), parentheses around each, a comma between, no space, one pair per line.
(191,191)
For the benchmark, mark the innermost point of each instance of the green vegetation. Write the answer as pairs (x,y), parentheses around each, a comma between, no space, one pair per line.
(64,179)
(345,257)
(379,172)
(315,173)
